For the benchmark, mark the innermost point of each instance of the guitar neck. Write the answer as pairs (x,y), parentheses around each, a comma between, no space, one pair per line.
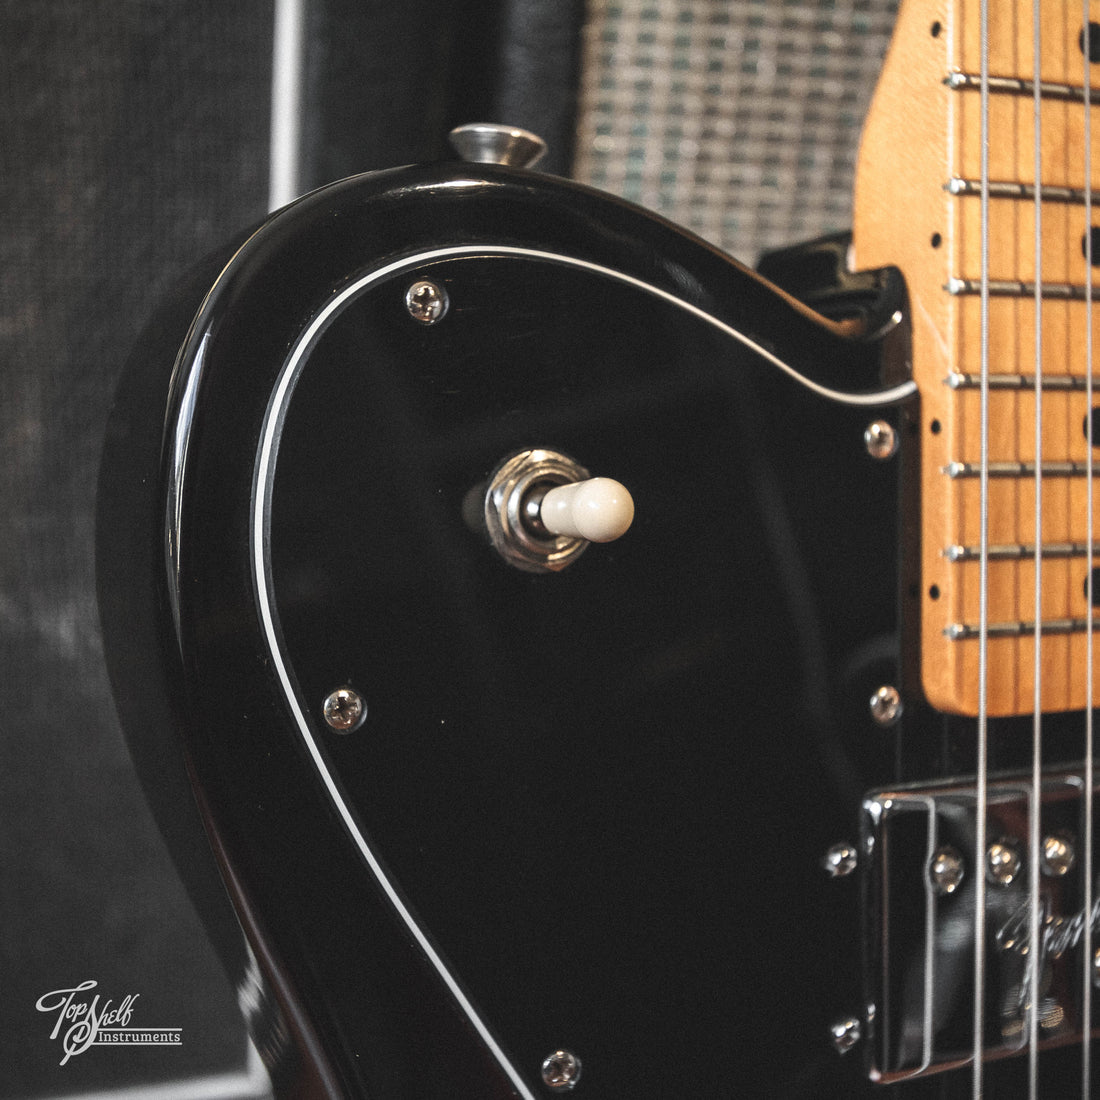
(919,206)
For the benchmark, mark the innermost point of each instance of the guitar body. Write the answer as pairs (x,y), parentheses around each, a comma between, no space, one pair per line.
(586,810)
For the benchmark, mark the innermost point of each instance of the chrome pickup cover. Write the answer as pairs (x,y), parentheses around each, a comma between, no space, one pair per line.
(920,928)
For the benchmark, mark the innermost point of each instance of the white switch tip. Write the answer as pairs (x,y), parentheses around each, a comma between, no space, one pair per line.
(600,510)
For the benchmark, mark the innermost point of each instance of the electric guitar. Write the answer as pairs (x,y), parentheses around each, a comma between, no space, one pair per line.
(603,668)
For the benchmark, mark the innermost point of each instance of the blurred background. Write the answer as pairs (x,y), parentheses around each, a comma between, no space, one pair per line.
(135,137)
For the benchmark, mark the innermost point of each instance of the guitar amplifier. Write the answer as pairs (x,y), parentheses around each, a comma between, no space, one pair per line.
(739,121)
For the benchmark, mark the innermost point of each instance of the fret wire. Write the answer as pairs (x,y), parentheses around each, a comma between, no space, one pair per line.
(958,380)
(1019,551)
(1037,666)
(967,632)
(1087,899)
(957,470)
(982,789)
(1013,85)
(1011,189)
(1016,288)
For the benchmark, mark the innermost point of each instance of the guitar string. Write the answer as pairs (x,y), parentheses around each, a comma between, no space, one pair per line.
(1033,958)
(981,792)
(1087,891)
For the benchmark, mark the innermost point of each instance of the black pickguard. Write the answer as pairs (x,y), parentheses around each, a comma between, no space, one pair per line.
(604,795)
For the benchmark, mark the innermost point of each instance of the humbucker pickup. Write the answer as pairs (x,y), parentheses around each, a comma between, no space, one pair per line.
(919,846)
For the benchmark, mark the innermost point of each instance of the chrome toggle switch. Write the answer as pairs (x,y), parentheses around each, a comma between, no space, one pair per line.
(542,509)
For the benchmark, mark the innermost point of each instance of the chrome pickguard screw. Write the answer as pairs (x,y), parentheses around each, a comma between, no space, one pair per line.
(344,709)
(947,870)
(1002,862)
(1058,855)
(886,705)
(881,440)
(840,860)
(561,1070)
(426,302)
(1096,967)
(845,1034)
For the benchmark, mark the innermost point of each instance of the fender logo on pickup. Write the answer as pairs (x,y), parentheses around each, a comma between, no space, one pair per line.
(1057,934)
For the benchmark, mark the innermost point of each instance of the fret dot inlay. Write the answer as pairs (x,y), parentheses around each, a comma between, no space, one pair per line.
(1090,245)
(1093,30)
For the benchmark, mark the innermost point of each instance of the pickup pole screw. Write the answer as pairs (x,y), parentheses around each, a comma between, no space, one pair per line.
(886,705)
(561,1070)
(426,302)
(1096,967)
(845,1034)
(840,860)
(881,440)
(1002,862)
(946,870)
(344,709)
(1058,855)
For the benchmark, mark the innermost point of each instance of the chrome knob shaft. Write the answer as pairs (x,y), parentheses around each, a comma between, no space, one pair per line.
(491,143)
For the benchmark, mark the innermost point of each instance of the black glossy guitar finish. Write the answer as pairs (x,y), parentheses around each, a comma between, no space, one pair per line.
(586,811)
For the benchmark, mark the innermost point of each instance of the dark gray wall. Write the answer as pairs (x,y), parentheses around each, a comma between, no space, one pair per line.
(133,139)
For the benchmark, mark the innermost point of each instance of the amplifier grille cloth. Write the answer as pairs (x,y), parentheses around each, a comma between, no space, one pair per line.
(739,119)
